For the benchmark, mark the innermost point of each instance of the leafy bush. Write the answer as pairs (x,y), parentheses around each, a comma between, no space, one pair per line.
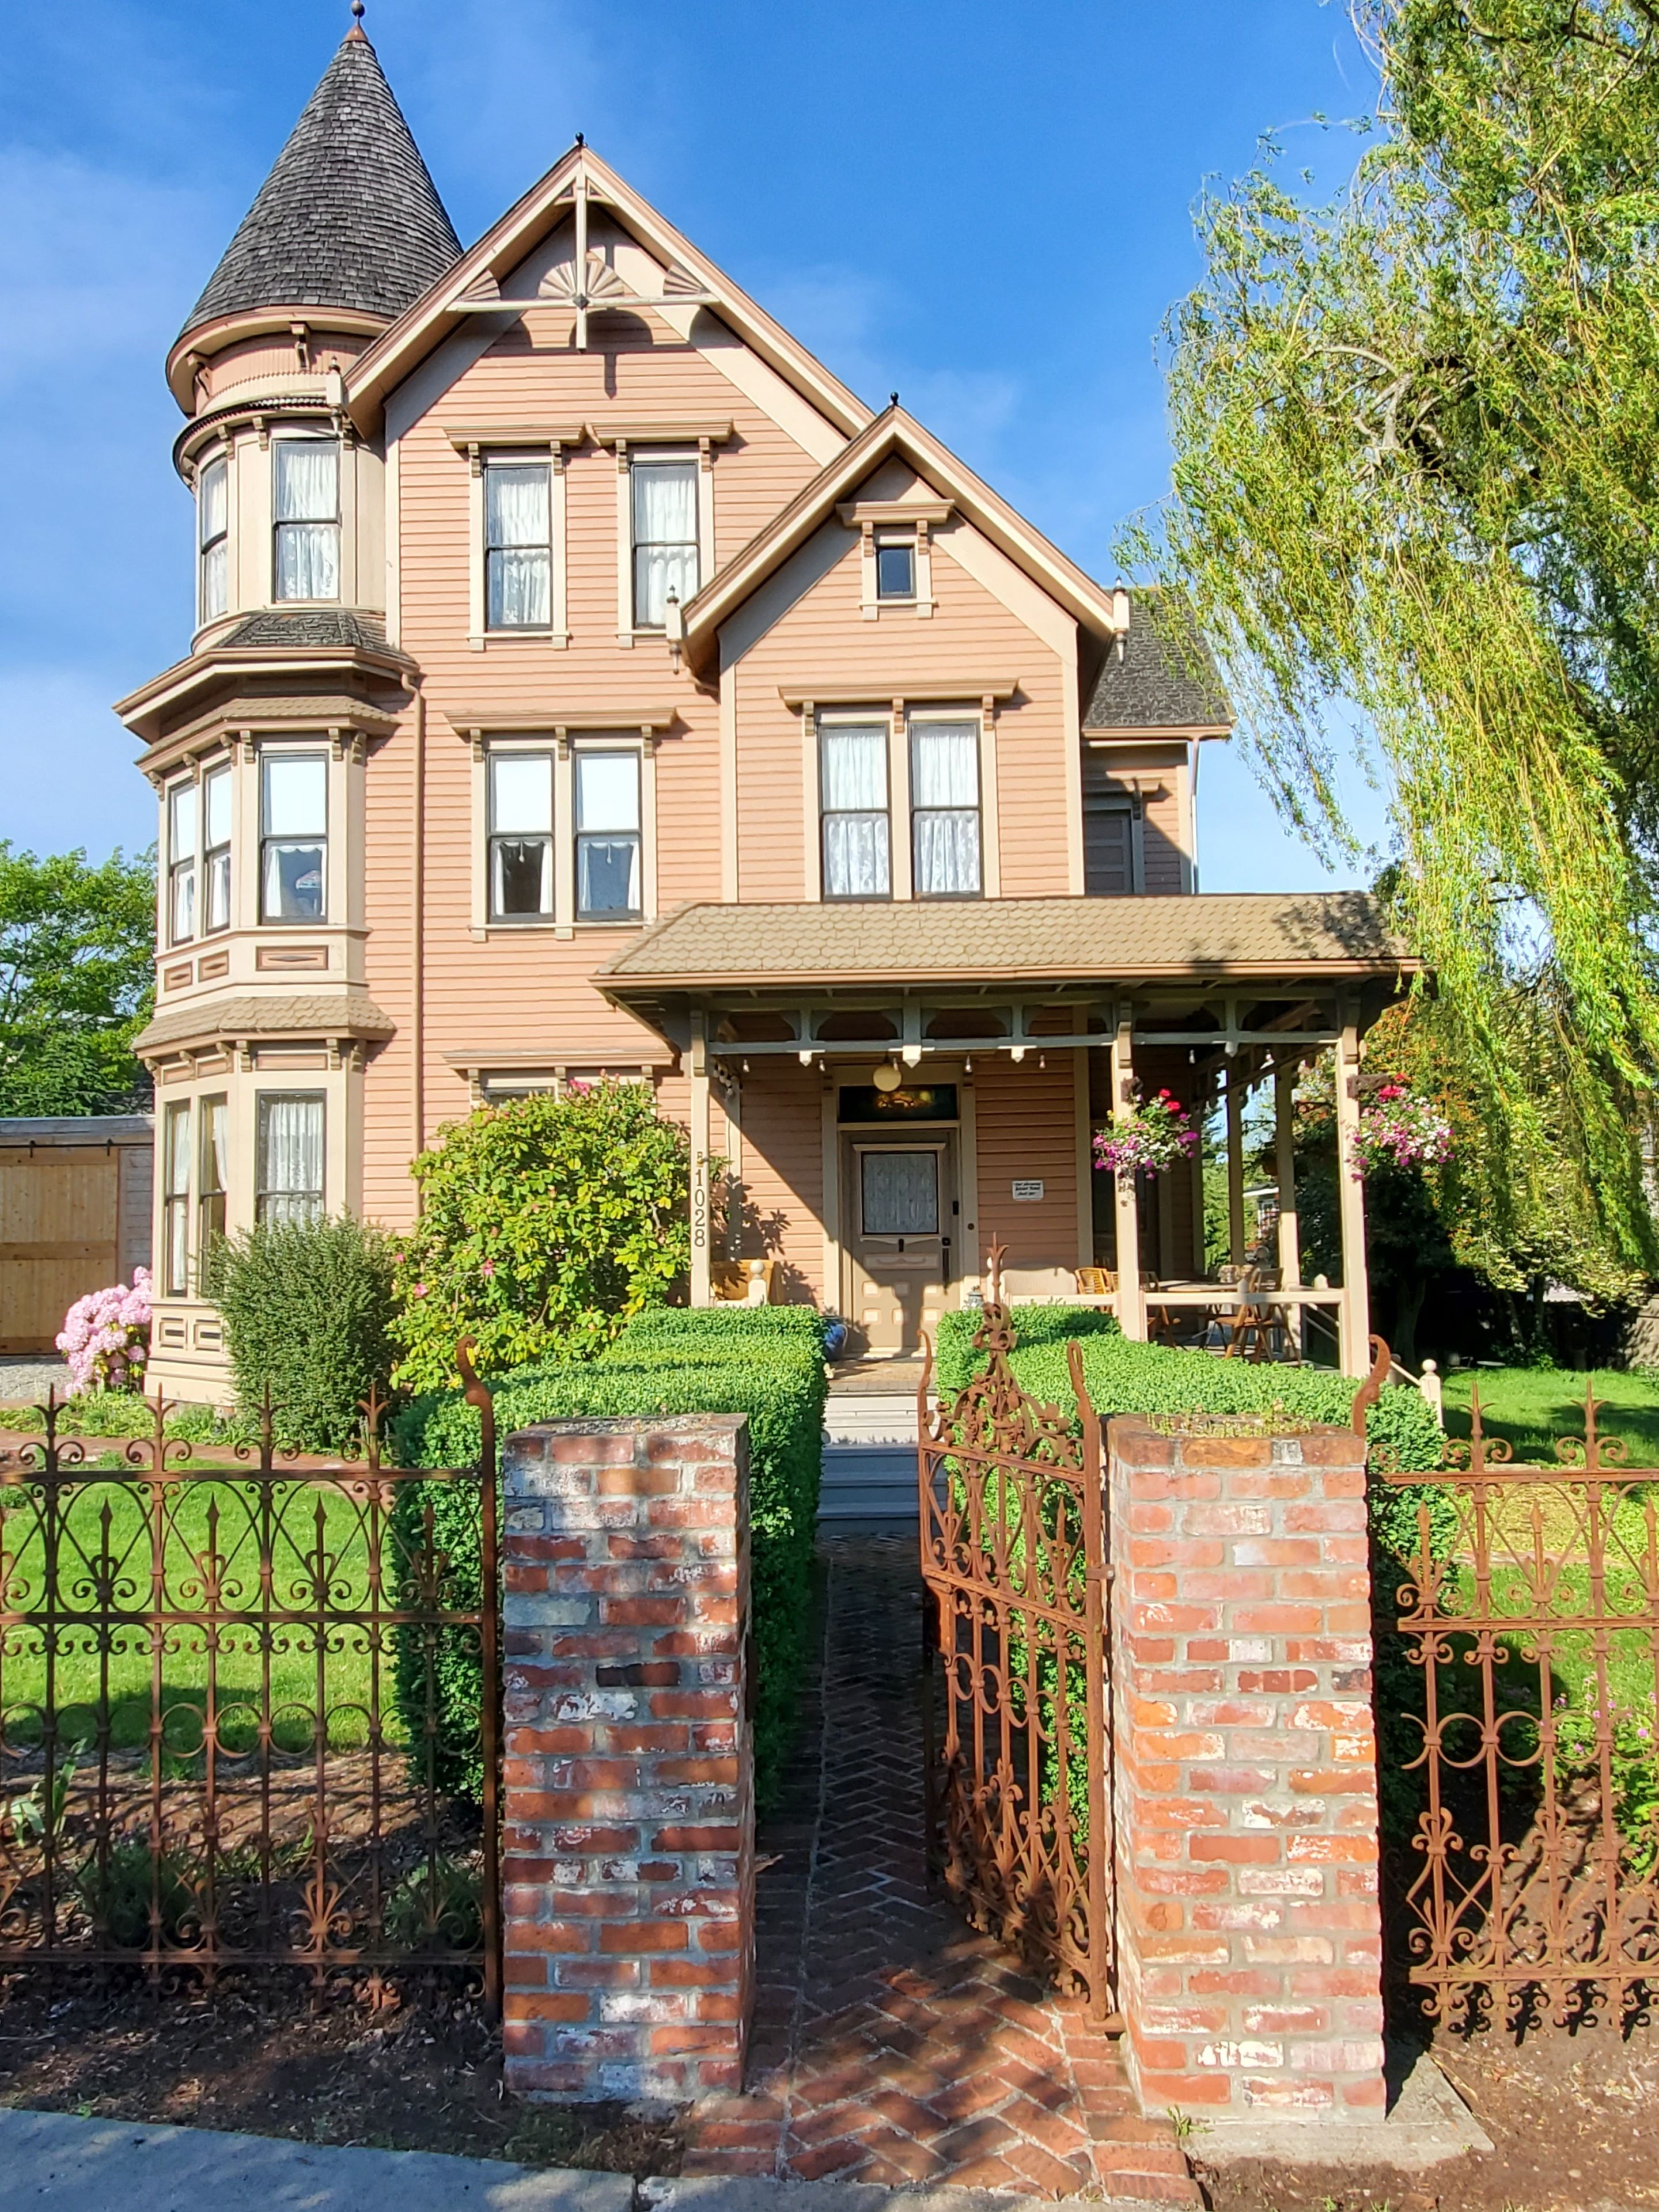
(308,1312)
(544,1222)
(751,1360)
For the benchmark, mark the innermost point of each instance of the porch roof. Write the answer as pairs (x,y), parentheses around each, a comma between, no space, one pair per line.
(1315,936)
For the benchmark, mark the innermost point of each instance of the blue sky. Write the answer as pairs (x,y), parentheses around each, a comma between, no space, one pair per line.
(985,206)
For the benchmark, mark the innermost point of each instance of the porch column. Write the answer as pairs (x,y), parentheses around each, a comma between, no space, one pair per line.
(1132,1309)
(702,1292)
(1356,1320)
(1289,1229)
(1235,1165)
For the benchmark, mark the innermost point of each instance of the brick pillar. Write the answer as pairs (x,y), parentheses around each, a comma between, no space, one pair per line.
(1249,1928)
(628,1800)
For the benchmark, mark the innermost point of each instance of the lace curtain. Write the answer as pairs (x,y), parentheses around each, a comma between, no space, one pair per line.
(517,526)
(665,537)
(307,485)
(291,1159)
(945,809)
(855,774)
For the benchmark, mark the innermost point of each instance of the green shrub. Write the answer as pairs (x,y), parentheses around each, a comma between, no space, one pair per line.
(957,1362)
(544,1222)
(308,1309)
(744,1361)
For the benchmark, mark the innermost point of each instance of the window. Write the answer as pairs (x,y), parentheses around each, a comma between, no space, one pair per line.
(518,547)
(901,1193)
(1108,849)
(853,775)
(306,486)
(212,537)
(289,1184)
(293,836)
(607,887)
(182,804)
(175,1201)
(211,1177)
(216,849)
(945,802)
(895,569)
(521,836)
(665,537)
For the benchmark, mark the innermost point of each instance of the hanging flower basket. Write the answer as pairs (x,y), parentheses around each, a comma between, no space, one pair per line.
(1156,1136)
(1401,1129)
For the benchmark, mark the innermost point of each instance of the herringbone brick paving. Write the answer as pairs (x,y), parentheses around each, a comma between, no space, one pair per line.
(892,2043)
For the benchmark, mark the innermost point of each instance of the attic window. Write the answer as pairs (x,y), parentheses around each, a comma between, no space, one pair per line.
(895,567)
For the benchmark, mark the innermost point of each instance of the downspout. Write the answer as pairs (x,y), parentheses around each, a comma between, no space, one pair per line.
(418,961)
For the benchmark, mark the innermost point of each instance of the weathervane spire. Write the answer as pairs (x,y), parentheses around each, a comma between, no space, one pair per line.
(356,30)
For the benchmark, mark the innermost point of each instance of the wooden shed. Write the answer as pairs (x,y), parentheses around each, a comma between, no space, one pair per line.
(75,1215)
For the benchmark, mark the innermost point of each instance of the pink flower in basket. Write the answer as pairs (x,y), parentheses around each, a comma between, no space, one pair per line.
(1401,1129)
(1153,1136)
(105,1336)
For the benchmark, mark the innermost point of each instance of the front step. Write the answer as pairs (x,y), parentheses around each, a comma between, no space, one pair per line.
(865,1482)
(868,1418)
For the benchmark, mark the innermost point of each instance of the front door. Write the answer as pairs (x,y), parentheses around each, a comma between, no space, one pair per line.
(901,1210)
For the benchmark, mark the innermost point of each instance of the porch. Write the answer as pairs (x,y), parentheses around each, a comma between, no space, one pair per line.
(894,1087)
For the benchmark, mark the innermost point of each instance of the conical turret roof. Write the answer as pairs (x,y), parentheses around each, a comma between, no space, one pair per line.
(349,216)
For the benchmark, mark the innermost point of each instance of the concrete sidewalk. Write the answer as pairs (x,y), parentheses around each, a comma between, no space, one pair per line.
(59,2160)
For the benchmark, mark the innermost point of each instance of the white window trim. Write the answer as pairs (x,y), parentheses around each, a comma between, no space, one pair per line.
(900,715)
(198,775)
(479,636)
(345,479)
(222,454)
(919,719)
(922,604)
(626,453)
(175,860)
(260,1093)
(563,743)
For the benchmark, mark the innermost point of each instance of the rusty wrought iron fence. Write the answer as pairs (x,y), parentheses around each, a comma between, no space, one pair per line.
(1013,1543)
(1527,1600)
(225,1740)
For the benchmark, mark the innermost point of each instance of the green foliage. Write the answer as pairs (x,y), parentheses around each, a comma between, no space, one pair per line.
(1532,1407)
(1415,492)
(308,1314)
(957,1362)
(76,951)
(737,1361)
(117,1895)
(543,1223)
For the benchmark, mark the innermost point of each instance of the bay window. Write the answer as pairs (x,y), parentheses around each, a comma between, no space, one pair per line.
(213,540)
(944,802)
(517,545)
(293,836)
(664,506)
(607,857)
(175,1201)
(288,1175)
(521,836)
(216,849)
(853,789)
(306,505)
(182,816)
(211,1175)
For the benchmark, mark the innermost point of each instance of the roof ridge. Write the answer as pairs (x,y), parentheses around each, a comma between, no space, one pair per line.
(349,215)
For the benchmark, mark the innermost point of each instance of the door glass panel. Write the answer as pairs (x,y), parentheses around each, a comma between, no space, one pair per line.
(901,1193)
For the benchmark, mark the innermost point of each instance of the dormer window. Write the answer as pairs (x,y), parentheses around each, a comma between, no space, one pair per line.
(895,567)
(213,540)
(306,505)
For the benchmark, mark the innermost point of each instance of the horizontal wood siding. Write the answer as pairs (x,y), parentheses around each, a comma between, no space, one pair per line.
(1026,1128)
(783,1177)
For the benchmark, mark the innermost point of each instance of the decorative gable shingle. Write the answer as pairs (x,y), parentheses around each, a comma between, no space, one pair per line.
(349,216)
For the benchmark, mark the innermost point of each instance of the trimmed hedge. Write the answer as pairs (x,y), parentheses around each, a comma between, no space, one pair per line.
(740,1360)
(957,1363)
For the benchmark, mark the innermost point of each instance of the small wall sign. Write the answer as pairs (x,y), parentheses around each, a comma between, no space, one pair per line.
(1027,1187)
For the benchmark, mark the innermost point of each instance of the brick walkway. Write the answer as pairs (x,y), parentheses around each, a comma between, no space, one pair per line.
(891,2043)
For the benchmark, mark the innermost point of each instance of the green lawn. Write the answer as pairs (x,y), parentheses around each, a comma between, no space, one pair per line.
(210,1534)
(1532,1407)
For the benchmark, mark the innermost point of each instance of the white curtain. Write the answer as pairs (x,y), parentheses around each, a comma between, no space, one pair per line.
(854,773)
(215,795)
(213,514)
(517,531)
(216,1166)
(182,817)
(945,808)
(307,489)
(901,1193)
(665,537)
(291,1163)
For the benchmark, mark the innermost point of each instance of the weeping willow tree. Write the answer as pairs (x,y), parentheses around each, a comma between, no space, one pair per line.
(1416,496)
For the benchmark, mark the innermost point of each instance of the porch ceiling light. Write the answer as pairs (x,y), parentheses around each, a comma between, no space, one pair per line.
(912,1055)
(887,1077)
(1018,1053)
(805,1056)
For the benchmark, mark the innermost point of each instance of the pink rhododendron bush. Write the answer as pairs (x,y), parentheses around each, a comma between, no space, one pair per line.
(106,1337)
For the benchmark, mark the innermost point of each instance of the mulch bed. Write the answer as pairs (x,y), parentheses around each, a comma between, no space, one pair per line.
(421,2073)
(1573,2119)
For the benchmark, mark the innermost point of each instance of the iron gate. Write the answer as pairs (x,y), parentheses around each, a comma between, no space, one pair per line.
(1523,1728)
(1012,1539)
(228,1702)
